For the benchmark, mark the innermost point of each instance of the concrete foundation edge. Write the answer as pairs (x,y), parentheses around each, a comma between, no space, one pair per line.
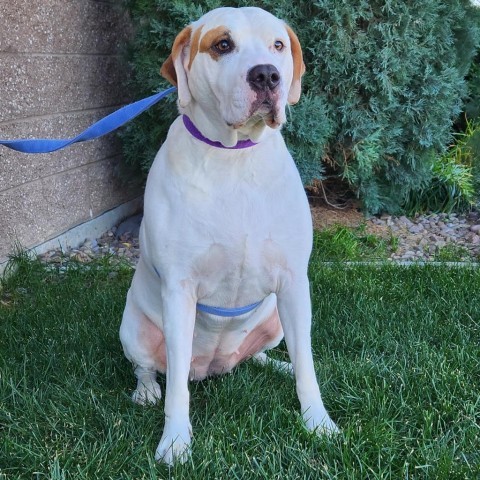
(90,229)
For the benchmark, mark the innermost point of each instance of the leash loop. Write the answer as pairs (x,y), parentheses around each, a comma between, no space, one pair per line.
(106,125)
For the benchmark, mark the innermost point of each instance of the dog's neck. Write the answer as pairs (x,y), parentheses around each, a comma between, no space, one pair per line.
(195,132)
(213,128)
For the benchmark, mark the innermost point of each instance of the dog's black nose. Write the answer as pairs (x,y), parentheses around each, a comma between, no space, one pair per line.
(263,77)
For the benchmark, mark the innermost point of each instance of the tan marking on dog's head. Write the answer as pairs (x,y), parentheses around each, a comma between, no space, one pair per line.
(194,45)
(212,38)
(298,67)
(167,70)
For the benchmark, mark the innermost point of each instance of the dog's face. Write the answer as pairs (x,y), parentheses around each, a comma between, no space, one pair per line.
(241,65)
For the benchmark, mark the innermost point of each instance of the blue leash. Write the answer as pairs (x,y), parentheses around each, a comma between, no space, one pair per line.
(102,127)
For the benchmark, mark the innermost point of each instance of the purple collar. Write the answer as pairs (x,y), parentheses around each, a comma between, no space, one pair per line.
(196,133)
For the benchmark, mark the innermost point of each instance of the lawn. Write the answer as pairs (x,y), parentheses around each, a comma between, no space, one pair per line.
(397,351)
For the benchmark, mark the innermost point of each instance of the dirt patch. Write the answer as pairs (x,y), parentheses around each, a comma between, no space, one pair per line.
(331,205)
(324,215)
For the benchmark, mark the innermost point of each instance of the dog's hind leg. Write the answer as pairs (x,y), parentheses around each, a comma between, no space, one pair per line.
(284,367)
(144,346)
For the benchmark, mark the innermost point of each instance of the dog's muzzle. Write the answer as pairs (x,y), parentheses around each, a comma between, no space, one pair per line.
(263,78)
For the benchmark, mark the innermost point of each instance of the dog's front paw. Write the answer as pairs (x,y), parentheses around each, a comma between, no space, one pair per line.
(320,422)
(174,445)
(147,393)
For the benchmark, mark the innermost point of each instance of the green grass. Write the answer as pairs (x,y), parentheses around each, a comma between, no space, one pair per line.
(454,253)
(340,243)
(396,351)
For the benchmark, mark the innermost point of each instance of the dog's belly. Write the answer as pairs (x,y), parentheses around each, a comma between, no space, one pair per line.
(218,344)
(218,351)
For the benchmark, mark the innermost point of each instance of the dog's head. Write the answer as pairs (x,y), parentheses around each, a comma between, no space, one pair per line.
(236,70)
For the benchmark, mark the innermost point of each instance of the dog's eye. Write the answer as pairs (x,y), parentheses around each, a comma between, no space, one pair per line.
(223,46)
(279,45)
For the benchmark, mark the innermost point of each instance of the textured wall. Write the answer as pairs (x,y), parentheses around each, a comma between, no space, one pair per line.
(60,70)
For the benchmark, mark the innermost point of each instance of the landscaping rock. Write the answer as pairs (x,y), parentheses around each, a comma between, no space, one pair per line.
(419,238)
(416,228)
(129,226)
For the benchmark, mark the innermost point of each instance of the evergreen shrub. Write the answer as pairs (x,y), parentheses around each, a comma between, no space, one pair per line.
(472,107)
(472,113)
(385,80)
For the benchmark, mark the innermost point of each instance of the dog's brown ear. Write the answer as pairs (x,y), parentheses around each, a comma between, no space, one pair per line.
(298,67)
(173,68)
(167,71)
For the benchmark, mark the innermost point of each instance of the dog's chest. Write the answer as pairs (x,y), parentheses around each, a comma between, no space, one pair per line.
(240,269)
(236,223)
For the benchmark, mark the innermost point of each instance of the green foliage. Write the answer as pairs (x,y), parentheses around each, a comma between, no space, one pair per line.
(472,107)
(453,253)
(306,136)
(384,82)
(473,144)
(455,177)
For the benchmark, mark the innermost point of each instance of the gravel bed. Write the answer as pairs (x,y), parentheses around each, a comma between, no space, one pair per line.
(422,238)
(425,237)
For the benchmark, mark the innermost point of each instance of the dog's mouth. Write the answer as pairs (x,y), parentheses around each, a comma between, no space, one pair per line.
(264,108)
(264,103)
(267,105)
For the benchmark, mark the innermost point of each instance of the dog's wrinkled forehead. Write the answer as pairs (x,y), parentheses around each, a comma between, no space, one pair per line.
(236,28)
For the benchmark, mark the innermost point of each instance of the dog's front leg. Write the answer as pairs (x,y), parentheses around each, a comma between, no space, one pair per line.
(178,325)
(294,307)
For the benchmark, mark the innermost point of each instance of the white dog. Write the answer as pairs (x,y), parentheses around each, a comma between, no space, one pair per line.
(226,234)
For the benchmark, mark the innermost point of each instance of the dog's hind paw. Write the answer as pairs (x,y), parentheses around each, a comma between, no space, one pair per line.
(147,393)
(284,367)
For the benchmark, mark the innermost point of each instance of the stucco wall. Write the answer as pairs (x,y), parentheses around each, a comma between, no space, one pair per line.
(61,69)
